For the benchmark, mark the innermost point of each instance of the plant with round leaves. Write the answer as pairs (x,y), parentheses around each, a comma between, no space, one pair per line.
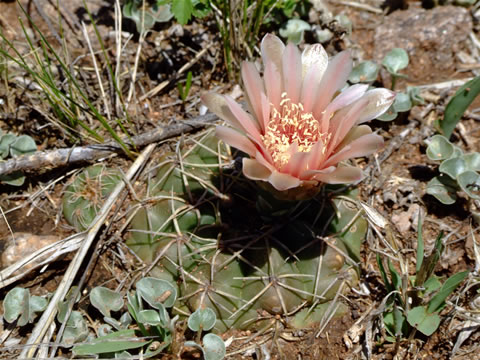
(154,327)
(22,307)
(86,194)
(14,146)
(365,72)
(458,172)
(146,18)
(213,347)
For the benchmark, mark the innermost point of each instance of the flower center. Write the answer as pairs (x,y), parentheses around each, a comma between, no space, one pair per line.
(289,125)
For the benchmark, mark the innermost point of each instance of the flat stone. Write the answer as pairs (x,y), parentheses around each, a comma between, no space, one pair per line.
(430,37)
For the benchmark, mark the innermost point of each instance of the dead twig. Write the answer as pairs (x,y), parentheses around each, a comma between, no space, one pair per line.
(61,157)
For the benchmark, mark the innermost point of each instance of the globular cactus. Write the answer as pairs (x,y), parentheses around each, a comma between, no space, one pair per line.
(85,196)
(249,258)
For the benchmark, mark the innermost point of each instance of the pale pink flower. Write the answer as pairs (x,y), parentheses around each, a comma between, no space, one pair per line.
(299,128)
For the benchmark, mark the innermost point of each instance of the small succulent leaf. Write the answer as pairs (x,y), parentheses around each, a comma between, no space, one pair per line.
(432,284)
(388,115)
(472,161)
(113,322)
(447,288)
(125,320)
(76,329)
(149,317)
(395,60)
(5,142)
(366,71)
(123,355)
(202,319)
(439,148)
(402,102)
(23,145)
(105,300)
(156,292)
(426,323)
(415,97)
(194,345)
(17,304)
(389,322)
(293,30)
(182,10)
(15,179)
(161,13)
(443,189)
(114,342)
(458,104)
(453,167)
(38,303)
(213,347)
(469,182)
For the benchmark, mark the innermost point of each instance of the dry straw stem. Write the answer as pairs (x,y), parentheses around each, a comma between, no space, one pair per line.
(61,157)
(44,323)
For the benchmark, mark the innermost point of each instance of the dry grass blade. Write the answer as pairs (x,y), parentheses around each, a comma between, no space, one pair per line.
(48,316)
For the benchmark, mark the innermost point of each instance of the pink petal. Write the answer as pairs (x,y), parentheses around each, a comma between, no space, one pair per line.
(253,170)
(273,83)
(308,174)
(265,159)
(342,175)
(363,146)
(218,105)
(254,90)
(272,50)
(247,123)
(334,79)
(283,182)
(354,134)
(292,72)
(235,139)
(314,55)
(345,98)
(343,121)
(379,100)
(317,155)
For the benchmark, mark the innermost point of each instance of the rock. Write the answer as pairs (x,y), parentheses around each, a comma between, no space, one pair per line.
(21,245)
(430,37)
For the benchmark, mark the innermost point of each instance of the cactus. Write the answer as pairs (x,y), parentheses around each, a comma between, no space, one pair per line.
(247,260)
(85,196)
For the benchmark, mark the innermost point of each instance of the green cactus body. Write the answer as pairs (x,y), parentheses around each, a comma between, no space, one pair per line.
(259,259)
(86,194)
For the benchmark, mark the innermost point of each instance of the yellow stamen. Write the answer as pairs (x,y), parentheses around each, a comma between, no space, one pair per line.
(291,125)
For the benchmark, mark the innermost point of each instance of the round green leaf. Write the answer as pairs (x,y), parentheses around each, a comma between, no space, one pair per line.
(402,102)
(5,142)
(106,300)
(421,320)
(15,179)
(293,30)
(156,292)
(150,317)
(473,161)
(439,148)
(453,167)
(213,347)
(469,181)
(23,145)
(396,59)
(202,319)
(76,329)
(366,71)
(17,303)
(38,303)
(443,188)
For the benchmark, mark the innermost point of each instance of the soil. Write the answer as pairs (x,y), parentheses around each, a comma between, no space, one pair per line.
(396,189)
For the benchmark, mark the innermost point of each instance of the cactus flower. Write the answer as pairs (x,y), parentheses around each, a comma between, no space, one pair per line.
(299,128)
